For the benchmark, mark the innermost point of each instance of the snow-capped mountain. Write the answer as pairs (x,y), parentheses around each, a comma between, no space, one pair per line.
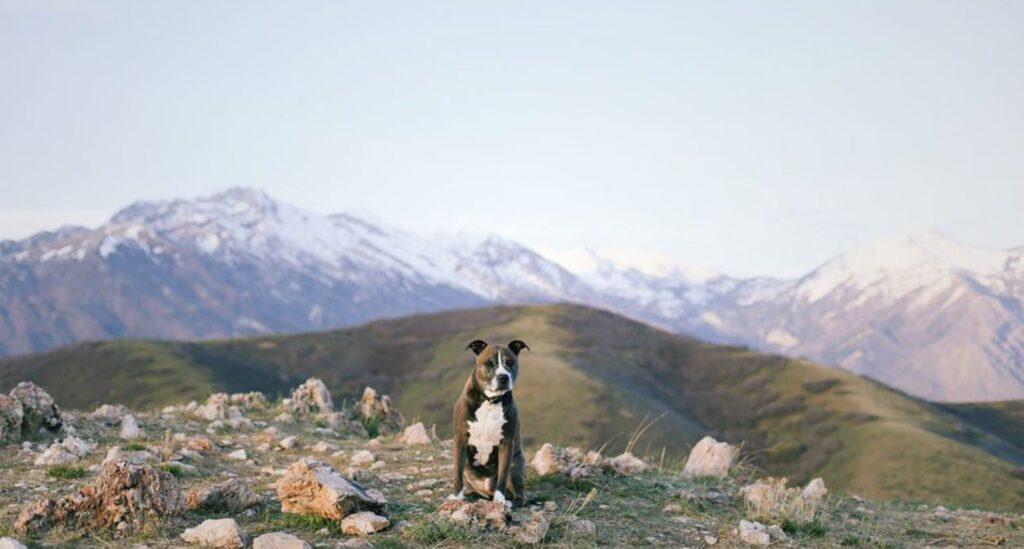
(918,311)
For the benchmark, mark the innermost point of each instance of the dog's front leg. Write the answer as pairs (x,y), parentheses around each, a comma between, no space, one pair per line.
(504,460)
(459,461)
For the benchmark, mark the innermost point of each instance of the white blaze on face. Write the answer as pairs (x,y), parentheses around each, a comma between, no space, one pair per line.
(485,432)
(492,387)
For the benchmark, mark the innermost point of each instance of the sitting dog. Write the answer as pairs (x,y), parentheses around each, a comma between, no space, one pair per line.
(488,449)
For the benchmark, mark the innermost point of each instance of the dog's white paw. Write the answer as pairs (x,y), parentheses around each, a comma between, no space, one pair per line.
(460,496)
(498,496)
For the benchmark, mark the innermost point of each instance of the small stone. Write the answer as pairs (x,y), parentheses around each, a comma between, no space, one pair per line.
(109,414)
(531,531)
(239,455)
(289,442)
(754,533)
(362,458)
(626,464)
(356,543)
(231,496)
(55,455)
(581,526)
(672,508)
(776,533)
(130,428)
(363,523)
(710,458)
(220,533)
(815,490)
(323,447)
(415,435)
(11,543)
(710,540)
(279,540)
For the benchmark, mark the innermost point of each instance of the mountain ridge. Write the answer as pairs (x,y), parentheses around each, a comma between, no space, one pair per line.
(917,311)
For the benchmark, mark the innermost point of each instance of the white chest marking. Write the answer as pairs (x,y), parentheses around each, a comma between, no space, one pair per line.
(485,432)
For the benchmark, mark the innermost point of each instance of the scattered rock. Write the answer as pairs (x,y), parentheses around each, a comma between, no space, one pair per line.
(581,526)
(777,534)
(323,447)
(137,457)
(530,531)
(311,398)
(710,458)
(123,497)
(279,540)
(356,543)
(39,409)
(221,533)
(11,416)
(289,442)
(11,543)
(231,496)
(481,514)
(626,464)
(754,533)
(130,428)
(376,409)
(362,458)
(109,415)
(309,486)
(199,444)
(815,490)
(672,508)
(710,540)
(551,459)
(238,455)
(55,455)
(415,435)
(78,447)
(363,523)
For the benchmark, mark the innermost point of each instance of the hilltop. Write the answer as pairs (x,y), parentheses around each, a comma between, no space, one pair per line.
(592,378)
(235,467)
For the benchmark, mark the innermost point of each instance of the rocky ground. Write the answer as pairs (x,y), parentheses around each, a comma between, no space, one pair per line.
(238,470)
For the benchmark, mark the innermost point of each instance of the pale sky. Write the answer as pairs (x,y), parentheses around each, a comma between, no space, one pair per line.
(750,137)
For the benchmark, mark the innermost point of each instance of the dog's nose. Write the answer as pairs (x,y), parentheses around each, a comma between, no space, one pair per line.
(503,379)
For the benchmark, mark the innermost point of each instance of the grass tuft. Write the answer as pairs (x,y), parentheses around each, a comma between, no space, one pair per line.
(438,531)
(172,468)
(66,471)
(134,447)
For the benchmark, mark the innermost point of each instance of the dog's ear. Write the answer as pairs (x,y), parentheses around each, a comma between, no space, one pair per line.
(477,346)
(517,345)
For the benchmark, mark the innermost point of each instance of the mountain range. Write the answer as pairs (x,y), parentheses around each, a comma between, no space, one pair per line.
(918,311)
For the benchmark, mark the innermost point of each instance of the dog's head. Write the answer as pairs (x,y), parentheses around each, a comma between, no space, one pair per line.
(497,366)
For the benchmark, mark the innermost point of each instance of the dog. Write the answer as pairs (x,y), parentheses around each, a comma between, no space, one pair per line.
(488,448)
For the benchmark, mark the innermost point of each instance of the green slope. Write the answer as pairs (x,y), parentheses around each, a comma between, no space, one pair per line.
(590,380)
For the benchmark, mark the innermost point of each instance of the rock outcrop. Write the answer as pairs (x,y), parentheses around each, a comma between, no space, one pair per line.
(309,486)
(124,497)
(11,416)
(415,435)
(481,514)
(710,458)
(374,409)
(311,398)
(39,409)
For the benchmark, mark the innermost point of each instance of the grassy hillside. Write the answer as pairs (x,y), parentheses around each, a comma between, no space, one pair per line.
(591,379)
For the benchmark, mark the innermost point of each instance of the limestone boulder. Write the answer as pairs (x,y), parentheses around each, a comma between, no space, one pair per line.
(219,533)
(312,487)
(710,458)
(363,523)
(311,398)
(11,416)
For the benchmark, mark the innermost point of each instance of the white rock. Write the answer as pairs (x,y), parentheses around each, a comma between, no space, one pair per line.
(323,447)
(754,533)
(627,464)
(815,490)
(55,455)
(362,458)
(11,543)
(279,540)
(78,447)
(288,442)
(415,435)
(221,533)
(239,455)
(363,523)
(776,533)
(130,428)
(710,458)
